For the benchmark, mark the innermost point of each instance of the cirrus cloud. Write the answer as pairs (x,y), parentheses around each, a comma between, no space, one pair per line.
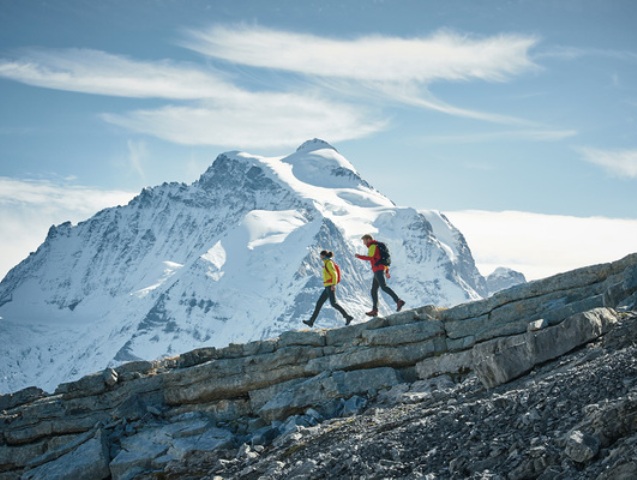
(444,55)
(621,163)
(101,73)
(268,121)
(325,88)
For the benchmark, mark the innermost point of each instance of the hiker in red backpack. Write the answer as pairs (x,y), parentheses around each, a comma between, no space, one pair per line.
(380,267)
(331,277)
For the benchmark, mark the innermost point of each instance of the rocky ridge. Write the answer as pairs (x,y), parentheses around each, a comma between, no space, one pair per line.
(429,393)
(574,418)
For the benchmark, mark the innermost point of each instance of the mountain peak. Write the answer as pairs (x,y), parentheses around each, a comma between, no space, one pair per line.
(503,278)
(229,170)
(232,257)
(314,144)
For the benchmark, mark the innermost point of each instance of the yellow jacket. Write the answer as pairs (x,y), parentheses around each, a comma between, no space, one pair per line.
(330,277)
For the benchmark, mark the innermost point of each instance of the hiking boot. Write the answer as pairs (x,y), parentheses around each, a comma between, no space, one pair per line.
(309,323)
(348,319)
(399,305)
(372,313)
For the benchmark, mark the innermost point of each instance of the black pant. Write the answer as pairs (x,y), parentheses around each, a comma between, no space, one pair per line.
(379,282)
(327,293)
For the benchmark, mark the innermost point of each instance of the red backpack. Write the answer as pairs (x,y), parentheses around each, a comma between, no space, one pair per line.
(338,272)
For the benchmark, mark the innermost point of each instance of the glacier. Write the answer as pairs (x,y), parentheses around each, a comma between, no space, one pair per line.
(231,258)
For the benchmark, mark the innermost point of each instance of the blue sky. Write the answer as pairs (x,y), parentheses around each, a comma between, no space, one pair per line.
(499,113)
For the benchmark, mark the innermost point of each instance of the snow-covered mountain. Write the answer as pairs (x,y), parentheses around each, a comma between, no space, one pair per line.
(232,257)
(502,278)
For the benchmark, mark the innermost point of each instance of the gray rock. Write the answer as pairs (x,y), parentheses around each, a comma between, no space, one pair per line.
(110,377)
(89,460)
(89,385)
(537,325)
(21,397)
(352,406)
(129,463)
(403,334)
(448,363)
(173,441)
(265,435)
(17,457)
(581,447)
(501,360)
(207,441)
(295,338)
(260,397)
(377,356)
(54,452)
(324,387)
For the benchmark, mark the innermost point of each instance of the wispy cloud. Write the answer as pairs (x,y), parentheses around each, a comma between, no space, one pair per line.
(332,86)
(531,135)
(620,163)
(419,96)
(101,73)
(217,112)
(399,69)
(542,245)
(137,154)
(444,55)
(268,121)
(28,208)
(575,53)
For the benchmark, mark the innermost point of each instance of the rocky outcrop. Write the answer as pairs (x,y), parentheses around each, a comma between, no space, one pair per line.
(571,418)
(142,416)
(500,360)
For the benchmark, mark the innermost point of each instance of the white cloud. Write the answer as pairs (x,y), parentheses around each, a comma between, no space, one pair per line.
(334,84)
(532,135)
(137,154)
(396,69)
(419,96)
(442,56)
(270,120)
(29,208)
(97,72)
(575,53)
(541,245)
(622,163)
(223,114)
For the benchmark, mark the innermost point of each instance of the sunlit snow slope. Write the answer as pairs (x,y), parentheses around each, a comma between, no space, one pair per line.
(231,258)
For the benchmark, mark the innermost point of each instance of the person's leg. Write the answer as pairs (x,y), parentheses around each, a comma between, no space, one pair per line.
(334,304)
(375,286)
(374,311)
(380,278)
(319,304)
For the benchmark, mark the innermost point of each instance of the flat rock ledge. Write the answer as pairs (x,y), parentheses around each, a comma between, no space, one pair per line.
(141,416)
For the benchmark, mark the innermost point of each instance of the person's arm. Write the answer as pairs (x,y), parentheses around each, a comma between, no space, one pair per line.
(370,254)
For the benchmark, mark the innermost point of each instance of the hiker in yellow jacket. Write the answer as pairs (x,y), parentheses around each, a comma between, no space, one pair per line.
(331,277)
